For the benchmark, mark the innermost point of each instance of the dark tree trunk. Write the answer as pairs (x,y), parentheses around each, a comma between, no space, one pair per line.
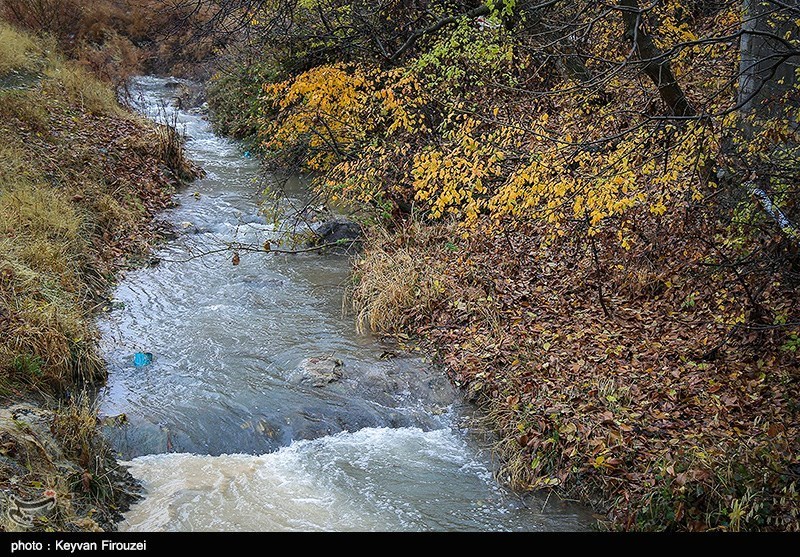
(765,70)
(656,65)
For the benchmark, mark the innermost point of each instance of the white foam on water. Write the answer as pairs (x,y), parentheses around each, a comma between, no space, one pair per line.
(376,479)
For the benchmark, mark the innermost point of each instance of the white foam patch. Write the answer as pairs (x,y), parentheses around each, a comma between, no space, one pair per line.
(376,479)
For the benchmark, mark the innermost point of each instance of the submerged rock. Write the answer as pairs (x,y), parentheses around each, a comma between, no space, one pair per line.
(320,371)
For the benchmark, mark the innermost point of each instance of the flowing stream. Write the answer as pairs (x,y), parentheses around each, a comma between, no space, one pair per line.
(226,427)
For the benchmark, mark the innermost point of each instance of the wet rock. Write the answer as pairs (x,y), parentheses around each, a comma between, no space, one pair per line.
(320,371)
(336,231)
(188,96)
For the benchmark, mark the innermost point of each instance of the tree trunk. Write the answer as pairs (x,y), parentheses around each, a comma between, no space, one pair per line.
(656,65)
(765,72)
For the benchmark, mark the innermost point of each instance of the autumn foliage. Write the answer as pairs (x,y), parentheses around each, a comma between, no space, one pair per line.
(598,268)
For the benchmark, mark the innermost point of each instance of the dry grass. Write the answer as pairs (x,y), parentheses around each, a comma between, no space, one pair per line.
(41,248)
(98,480)
(394,281)
(18,52)
(12,154)
(23,107)
(80,88)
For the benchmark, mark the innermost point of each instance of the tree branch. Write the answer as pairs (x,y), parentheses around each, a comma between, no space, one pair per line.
(237,247)
(483,9)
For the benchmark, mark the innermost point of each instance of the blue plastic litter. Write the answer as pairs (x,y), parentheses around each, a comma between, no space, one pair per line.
(247,154)
(141,359)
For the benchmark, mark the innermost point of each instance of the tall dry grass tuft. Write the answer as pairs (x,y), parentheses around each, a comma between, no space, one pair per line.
(18,52)
(399,277)
(76,426)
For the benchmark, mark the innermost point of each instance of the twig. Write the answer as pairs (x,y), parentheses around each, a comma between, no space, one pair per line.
(786,226)
(252,248)
(598,282)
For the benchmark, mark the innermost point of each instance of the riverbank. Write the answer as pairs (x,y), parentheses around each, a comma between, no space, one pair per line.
(626,411)
(81,182)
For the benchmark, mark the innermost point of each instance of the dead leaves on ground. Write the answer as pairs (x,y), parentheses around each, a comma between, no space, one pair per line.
(624,410)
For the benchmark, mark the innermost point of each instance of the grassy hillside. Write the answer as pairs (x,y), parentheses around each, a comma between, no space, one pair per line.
(81,179)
